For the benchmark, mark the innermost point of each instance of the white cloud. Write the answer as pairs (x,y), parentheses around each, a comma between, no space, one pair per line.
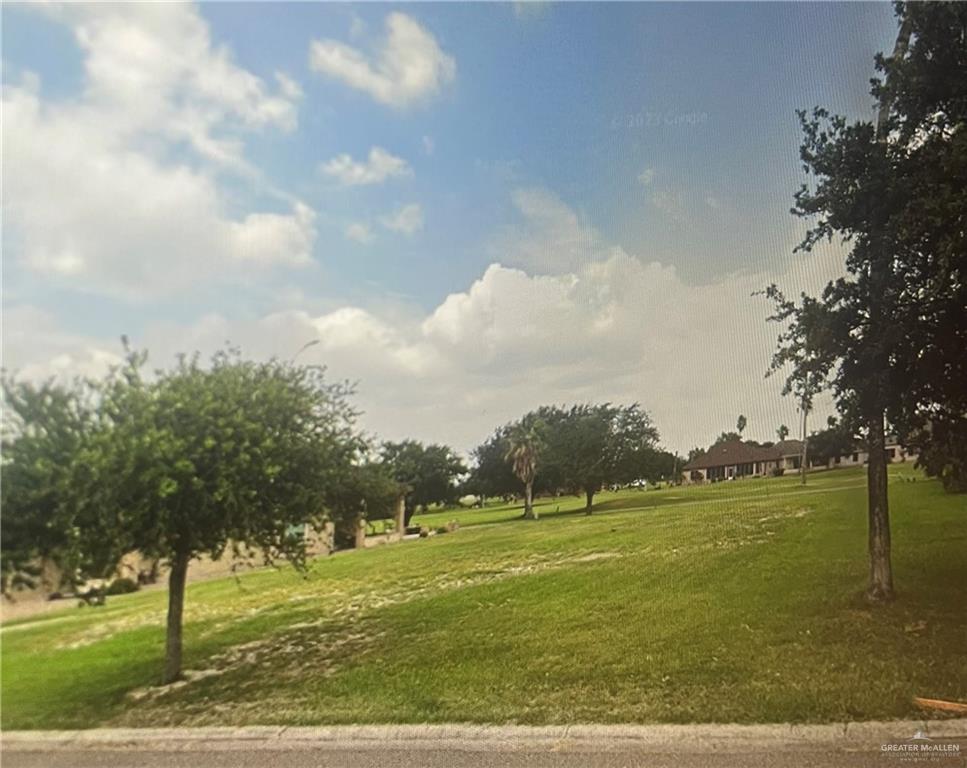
(428,145)
(530,9)
(410,67)
(671,204)
(377,168)
(713,202)
(646,177)
(615,327)
(38,348)
(359,232)
(408,219)
(92,192)
(552,238)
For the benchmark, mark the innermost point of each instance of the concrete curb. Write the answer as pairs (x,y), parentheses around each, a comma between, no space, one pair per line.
(619,738)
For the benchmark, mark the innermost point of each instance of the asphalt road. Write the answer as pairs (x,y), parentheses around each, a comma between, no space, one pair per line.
(446,758)
(845,745)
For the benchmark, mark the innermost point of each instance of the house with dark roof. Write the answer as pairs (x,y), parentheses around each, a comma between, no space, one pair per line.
(736,458)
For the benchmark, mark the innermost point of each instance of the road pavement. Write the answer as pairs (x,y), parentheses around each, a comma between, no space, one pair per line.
(863,745)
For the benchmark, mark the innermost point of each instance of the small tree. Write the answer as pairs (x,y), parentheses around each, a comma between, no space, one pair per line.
(429,472)
(196,461)
(525,441)
(782,432)
(44,428)
(367,490)
(740,424)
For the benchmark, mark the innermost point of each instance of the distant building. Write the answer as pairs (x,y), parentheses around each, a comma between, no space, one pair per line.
(859,456)
(734,458)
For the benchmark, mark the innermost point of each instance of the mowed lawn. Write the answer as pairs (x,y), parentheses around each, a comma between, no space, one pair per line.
(739,602)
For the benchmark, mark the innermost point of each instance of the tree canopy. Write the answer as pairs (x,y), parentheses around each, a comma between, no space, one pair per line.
(192,461)
(889,337)
(428,473)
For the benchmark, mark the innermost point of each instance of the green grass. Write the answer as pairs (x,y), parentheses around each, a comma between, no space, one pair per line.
(738,602)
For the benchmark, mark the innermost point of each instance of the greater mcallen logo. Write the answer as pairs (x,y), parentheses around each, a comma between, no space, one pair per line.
(920,747)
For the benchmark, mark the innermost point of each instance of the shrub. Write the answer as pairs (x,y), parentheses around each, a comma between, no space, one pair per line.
(122,586)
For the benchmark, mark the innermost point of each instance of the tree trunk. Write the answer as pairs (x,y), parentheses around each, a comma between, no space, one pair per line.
(399,517)
(805,442)
(529,513)
(589,495)
(176,605)
(881,569)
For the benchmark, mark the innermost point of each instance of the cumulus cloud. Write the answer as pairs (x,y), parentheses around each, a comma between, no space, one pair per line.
(551,237)
(670,203)
(408,219)
(359,233)
(93,192)
(377,168)
(408,68)
(616,327)
(36,347)
(530,9)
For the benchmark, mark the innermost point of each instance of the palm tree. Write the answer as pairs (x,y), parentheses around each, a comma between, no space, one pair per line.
(783,432)
(524,445)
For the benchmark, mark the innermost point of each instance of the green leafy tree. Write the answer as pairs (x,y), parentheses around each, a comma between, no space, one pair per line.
(366,490)
(944,454)
(828,444)
(525,443)
(196,461)
(889,337)
(429,472)
(740,424)
(664,465)
(594,446)
(43,430)
(726,437)
(492,474)
(782,432)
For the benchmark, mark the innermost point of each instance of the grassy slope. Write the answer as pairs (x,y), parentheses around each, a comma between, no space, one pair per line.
(736,602)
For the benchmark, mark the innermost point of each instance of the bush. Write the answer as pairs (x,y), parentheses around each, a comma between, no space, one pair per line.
(777,472)
(122,586)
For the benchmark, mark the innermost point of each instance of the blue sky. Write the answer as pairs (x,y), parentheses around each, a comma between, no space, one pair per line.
(406,182)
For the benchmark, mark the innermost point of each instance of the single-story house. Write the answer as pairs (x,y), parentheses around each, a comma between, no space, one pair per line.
(736,458)
(894,453)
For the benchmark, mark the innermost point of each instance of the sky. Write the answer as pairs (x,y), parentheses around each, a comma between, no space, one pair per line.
(471,209)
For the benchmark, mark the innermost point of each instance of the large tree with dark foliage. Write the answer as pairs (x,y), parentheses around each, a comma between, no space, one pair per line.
(828,444)
(594,446)
(428,473)
(890,337)
(492,474)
